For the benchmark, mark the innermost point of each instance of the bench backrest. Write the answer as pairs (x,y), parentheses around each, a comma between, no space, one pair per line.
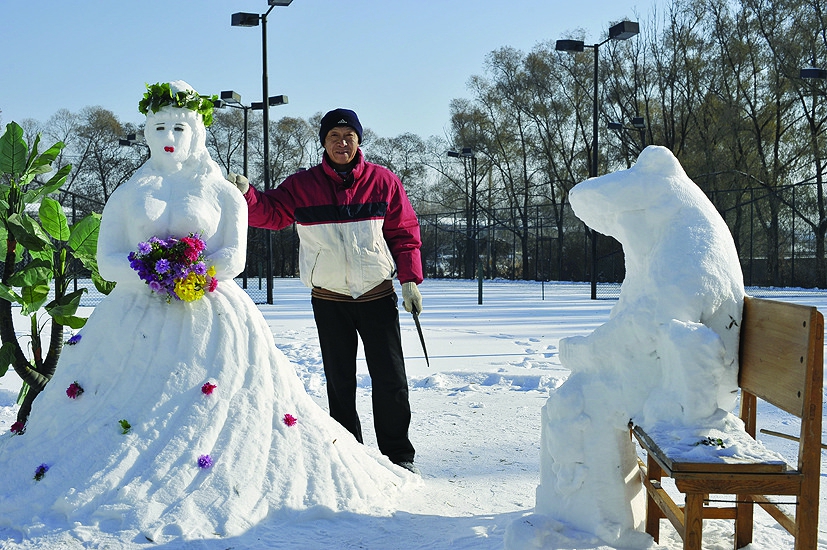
(781,355)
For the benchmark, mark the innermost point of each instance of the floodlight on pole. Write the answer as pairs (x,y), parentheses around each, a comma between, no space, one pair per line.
(813,72)
(243,19)
(620,31)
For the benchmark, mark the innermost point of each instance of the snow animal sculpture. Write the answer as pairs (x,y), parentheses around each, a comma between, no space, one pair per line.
(668,353)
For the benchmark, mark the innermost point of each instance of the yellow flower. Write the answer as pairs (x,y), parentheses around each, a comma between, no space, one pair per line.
(211,271)
(190,288)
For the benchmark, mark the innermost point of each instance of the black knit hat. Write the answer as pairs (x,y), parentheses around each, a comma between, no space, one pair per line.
(339,117)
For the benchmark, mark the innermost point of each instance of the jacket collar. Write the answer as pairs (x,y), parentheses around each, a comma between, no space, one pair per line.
(355,173)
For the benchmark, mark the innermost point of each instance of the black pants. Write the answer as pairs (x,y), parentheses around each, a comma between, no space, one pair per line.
(377,323)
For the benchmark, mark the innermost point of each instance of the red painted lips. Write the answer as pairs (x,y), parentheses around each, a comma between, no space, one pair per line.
(169,149)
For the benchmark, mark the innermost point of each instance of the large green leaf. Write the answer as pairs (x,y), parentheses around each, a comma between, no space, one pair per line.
(67,304)
(83,239)
(6,357)
(33,298)
(103,286)
(28,232)
(13,150)
(8,294)
(53,219)
(43,163)
(4,236)
(56,181)
(63,310)
(34,273)
(70,321)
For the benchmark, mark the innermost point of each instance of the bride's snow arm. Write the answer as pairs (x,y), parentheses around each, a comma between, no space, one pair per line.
(113,248)
(227,249)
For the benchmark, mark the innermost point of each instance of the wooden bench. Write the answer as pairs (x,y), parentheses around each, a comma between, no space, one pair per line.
(781,362)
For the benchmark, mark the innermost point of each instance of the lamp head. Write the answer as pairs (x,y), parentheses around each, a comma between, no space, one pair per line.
(813,72)
(229,96)
(569,46)
(624,30)
(242,19)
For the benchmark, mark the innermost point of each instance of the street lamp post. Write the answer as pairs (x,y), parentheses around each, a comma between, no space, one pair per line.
(814,73)
(242,19)
(621,31)
(232,99)
(472,263)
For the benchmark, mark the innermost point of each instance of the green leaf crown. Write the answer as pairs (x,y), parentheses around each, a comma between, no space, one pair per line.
(160,95)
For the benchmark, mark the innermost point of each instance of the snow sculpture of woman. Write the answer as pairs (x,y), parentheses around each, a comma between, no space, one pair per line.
(191,423)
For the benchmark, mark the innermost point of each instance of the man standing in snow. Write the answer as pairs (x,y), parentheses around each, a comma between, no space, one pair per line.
(356,229)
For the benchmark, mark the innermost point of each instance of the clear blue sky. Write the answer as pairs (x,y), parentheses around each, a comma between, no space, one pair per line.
(398,64)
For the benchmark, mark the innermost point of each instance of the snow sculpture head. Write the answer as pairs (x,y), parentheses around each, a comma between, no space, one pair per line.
(176,120)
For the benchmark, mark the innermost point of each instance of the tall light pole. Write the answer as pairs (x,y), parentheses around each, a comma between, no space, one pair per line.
(229,98)
(621,31)
(242,19)
(472,262)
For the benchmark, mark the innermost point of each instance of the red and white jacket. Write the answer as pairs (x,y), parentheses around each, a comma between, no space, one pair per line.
(353,233)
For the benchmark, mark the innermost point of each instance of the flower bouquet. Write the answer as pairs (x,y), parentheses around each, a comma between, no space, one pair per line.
(174,267)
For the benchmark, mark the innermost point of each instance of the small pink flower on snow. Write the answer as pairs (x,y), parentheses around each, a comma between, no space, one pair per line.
(290,420)
(204,462)
(18,428)
(207,388)
(74,390)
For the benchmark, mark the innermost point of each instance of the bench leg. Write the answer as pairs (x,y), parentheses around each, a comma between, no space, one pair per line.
(743,520)
(653,512)
(694,518)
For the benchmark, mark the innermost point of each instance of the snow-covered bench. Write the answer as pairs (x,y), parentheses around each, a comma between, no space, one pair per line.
(781,362)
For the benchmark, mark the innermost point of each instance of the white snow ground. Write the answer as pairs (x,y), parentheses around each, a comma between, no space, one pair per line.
(476,425)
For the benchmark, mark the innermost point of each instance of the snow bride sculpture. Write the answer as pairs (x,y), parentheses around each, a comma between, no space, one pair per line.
(667,354)
(174,414)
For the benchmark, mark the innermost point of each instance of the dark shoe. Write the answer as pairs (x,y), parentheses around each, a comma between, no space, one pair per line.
(410,466)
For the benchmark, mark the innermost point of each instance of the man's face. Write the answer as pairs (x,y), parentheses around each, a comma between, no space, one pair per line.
(341,144)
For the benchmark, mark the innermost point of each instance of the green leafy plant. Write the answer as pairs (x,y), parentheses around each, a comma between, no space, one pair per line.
(38,258)
(125,426)
(712,442)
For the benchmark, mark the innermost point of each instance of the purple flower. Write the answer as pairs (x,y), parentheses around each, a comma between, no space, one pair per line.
(204,462)
(199,268)
(155,286)
(41,471)
(144,248)
(74,339)
(162,265)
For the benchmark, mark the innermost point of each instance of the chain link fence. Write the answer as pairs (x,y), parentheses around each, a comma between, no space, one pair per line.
(774,231)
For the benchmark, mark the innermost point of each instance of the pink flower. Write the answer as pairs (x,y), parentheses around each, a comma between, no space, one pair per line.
(207,388)
(74,390)
(290,420)
(204,462)
(213,285)
(18,428)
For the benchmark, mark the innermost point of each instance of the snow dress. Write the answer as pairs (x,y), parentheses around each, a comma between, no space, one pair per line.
(144,361)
